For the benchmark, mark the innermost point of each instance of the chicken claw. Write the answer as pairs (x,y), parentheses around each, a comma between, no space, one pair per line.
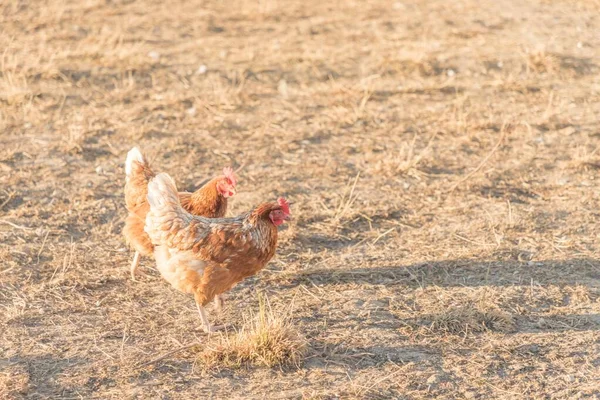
(208,328)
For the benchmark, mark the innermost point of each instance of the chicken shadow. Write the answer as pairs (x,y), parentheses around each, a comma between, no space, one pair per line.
(462,273)
(322,354)
(538,317)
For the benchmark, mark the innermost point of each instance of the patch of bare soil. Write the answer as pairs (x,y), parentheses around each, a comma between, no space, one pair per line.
(442,157)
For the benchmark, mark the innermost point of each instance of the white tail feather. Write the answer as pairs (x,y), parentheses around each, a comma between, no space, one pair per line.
(162,192)
(166,212)
(134,155)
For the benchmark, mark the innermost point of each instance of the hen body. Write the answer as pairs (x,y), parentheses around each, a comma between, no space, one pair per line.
(206,257)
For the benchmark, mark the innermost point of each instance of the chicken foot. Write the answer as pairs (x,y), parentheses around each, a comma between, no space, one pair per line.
(208,328)
(134,265)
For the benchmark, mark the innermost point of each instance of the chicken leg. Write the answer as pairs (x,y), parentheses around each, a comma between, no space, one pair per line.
(219,303)
(208,328)
(134,264)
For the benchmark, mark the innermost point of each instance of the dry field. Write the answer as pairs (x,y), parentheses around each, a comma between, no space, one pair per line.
(443,157)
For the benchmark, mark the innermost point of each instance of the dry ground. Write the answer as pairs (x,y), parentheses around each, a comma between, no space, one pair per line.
(443,157)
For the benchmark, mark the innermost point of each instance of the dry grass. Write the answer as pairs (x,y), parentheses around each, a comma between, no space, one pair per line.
(442,160)
(541,62)
(266,339)
(13,383)
(469,319)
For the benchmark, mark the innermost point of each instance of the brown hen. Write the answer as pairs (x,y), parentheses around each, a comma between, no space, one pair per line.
(206,257)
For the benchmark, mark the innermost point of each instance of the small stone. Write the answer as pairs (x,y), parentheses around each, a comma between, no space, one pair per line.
(201,69)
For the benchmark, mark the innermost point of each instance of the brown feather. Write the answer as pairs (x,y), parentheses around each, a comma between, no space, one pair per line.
(230,249)
(205,201)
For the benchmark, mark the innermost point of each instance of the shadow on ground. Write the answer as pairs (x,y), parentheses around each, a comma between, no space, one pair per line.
(463,273)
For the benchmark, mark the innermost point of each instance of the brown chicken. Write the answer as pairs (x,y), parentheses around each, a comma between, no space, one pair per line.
(209,201)
(206,257)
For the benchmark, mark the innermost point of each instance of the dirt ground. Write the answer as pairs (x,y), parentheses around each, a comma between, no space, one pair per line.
(442,157)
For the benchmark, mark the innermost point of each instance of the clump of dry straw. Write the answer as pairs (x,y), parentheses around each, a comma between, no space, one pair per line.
(265,339)
(463,320)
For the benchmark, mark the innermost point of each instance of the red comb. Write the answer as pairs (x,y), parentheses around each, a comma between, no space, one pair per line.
(228,172)
(285,206)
